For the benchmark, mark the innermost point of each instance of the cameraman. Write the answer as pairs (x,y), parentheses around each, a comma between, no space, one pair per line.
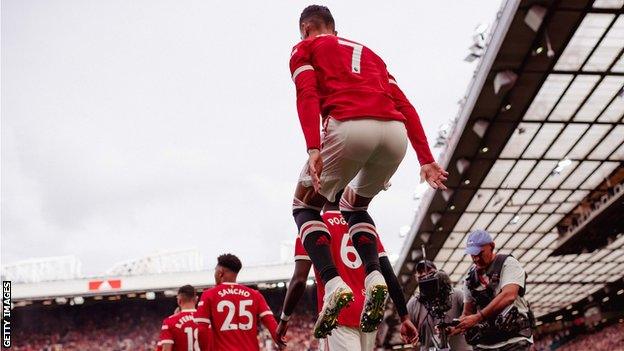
(425,322)
(496,316)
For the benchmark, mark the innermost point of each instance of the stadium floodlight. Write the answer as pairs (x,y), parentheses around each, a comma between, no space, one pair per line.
(515,220)
(150,295)
(504,81)
(480,126)
(60,300)
(561,165)
(535,17)
(310,282)
(170,293)
(78,300)
(281,285)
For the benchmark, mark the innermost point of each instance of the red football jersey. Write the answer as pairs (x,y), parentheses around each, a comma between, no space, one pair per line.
(342,79)
(183,333)
(233,311)
(348,263)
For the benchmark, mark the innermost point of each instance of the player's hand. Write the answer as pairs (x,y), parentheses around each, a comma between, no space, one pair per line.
(434,175)
(465,323)
(282,328)
(409,333)
(315,167)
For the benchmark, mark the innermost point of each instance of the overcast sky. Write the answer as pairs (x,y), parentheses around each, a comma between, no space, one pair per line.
(132,127)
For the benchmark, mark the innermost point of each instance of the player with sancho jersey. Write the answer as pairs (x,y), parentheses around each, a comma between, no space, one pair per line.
(347,336)
(234,310)
(180,332)
(367,121)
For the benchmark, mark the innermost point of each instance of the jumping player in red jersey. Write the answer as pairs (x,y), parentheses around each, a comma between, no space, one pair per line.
(180,331)
(234,310)
(347,336)
(367,121)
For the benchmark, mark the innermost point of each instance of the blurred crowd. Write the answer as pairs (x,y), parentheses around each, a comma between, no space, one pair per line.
(609,338)
(130,325)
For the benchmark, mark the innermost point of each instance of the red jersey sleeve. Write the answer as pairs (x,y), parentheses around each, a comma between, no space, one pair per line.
(266,315)
(166,337)
(202,316)
(381,251)
(308,106)
(300,251)
(415,131)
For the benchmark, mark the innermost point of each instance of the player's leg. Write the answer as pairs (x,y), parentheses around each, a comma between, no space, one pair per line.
(367,341)
(344,339)
(373,177)
(338,170)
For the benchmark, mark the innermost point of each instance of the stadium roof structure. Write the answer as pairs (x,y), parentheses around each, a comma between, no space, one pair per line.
(536,156)
(261,275)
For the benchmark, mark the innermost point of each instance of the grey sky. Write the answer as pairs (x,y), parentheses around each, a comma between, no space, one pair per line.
(130,127)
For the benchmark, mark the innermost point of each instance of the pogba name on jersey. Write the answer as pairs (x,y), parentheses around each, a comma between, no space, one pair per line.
(233,291)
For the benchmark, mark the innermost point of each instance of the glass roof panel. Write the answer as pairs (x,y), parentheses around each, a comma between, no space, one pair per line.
(480,199)
(583,41)
(609,143)
(573,97)
(599,175)
(483,221)
(608,4)
(518,173)
(500,222)
(520,139)
(542,170)
(547,96)
(580,174)
(568,137)
(497,173)
(608,49)
(600,98)
(614,112)
(544,137)
(532,224)
(589,140)
(465,222)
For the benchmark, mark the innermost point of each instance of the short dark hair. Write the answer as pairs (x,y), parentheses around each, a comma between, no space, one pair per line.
(318,15)
(230,262)
(424,266)
(187,292)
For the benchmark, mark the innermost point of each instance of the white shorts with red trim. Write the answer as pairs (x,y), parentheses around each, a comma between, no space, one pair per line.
(348,339)
(363,153)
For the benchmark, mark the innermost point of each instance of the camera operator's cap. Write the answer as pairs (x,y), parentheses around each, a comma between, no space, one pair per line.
(476,240)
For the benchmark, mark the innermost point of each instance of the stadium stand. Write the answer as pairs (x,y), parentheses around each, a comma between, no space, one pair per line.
(118,323)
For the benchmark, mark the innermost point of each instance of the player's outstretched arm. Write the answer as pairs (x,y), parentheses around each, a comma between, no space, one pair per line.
(430,171)
(308,106)
(408,330)
(296,288)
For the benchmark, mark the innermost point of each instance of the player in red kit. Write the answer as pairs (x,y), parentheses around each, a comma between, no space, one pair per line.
(347,336)
(367,121)
(234,310)
(180,332)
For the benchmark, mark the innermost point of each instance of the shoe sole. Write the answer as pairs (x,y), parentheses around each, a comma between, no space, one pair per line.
(374,309)
(328,320)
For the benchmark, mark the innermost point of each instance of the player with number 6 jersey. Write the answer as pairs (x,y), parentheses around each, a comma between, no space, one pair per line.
(347,336)
(234,310)
(180,332)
